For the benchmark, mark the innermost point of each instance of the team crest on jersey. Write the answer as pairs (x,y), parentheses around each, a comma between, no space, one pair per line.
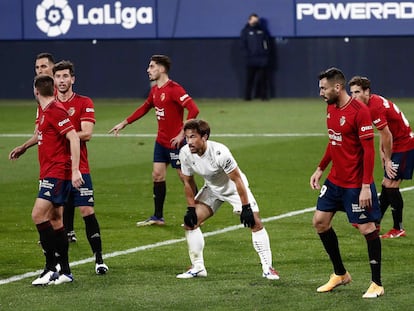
(342,121)
(71,111)
(162,97)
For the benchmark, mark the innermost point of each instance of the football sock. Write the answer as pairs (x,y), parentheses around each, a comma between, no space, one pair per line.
(48,242)
(261,244)
(330,242)
(62,248)
(159,191)
(374,254)
(397,205)
(68,215)
(93,234)
(383,200)
(195,241)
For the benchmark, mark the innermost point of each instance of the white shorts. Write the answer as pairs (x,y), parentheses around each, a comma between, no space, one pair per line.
(215,200)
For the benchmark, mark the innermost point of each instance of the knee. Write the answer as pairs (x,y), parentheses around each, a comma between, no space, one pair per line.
(320,225)
(86,210)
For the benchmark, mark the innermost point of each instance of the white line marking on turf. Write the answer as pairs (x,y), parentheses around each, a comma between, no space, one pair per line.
(167,242)
(213,135)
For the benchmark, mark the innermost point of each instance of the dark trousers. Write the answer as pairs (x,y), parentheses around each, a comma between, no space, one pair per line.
(256,83)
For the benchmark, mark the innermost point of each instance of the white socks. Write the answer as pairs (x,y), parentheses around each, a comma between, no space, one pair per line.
(261,244)
(195,241)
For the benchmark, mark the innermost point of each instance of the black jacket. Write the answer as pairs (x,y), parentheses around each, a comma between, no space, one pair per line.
(255,45)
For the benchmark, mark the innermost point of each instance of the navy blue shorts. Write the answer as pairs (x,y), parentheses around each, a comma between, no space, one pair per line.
(166,155)
(404,162)
(54,190)
(83,196)
(333,198)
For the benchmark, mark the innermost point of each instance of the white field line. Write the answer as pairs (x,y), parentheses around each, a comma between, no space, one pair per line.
(167,242)
(212,135)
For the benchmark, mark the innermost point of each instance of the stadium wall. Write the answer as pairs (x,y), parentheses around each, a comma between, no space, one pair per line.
(212,68)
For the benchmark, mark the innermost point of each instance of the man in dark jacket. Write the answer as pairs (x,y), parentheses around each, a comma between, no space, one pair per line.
(255,45)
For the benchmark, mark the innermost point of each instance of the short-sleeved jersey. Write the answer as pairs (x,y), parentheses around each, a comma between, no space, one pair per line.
(80,108)
(214,165)
(347,126)
(169,102)
(385,112)
(53,147)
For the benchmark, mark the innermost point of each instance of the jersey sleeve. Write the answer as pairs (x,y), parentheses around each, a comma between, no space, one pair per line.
(142,110)
(88,111)
(366,135)
(226,160)
(60,121)
(378,112)
(184,161)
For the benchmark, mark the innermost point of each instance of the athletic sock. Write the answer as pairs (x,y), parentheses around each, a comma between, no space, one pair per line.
(68,215)
(374,254)
(48,242)
(159,191)
(383,200)
(195,241)
(397,205)
(330,242)
(261,244)
(62,249)
(93,234)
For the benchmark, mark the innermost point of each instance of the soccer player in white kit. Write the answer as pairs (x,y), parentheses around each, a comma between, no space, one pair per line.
(224,182)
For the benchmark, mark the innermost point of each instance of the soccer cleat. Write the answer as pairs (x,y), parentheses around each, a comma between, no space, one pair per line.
(334,281)
(101,268)
(193,273)
(151,221)
(62,278)
(72,237)
(393,233)
(271,274)
(374,291)
(44,278)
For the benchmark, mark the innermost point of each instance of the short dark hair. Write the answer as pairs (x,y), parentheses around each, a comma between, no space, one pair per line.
(333,74)
(44,84)
(46,55)
(162,60)
(200,126)
(363,82)
(64,64)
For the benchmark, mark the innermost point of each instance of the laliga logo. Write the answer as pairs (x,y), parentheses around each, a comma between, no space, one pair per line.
(54,17)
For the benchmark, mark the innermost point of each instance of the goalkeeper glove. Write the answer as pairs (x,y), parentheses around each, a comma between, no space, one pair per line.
(190,218)
(246,216)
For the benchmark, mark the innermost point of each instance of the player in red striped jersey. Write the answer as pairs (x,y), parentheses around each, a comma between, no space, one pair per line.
(397,152)
(350,184)
(169,99)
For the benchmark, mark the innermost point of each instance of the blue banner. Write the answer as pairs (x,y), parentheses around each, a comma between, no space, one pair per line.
(162,19)
(11,20)
(91,19)
(347,18)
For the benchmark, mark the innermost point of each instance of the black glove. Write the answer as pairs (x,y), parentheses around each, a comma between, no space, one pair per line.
(246,216)
(190,218)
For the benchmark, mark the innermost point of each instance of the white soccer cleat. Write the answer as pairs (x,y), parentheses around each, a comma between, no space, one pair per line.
(193,273)
(44,278)
(101,268)
(271,274)
(63,278)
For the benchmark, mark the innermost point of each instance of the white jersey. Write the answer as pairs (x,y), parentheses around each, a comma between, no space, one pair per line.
(214,165)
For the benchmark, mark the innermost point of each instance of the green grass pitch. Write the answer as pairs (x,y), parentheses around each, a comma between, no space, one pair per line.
(276,143)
